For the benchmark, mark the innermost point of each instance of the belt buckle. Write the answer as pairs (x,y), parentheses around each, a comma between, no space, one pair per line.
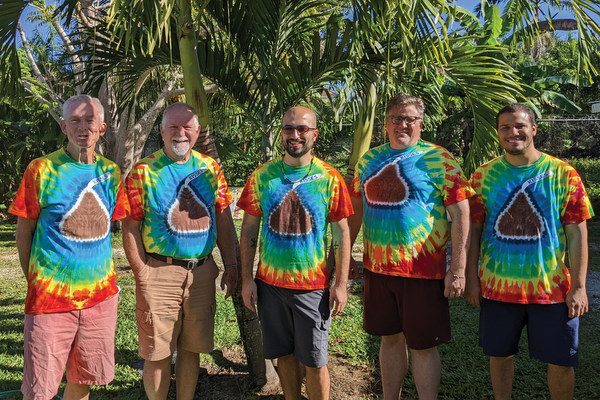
(191,264)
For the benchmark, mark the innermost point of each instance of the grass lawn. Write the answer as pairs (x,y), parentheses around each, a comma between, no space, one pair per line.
(465,368)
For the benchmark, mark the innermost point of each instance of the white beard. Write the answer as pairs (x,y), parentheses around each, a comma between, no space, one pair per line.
(180,148)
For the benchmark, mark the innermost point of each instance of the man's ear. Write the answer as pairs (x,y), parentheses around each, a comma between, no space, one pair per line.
(63,126)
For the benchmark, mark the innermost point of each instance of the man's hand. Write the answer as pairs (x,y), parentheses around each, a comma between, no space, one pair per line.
(577,302)
(338,297)
(229,279)
(249,294)
(454,285)
(473,291)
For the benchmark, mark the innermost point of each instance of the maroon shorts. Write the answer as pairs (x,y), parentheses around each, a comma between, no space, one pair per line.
(415,307)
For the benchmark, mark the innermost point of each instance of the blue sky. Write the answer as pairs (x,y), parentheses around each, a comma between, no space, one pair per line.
(29,27)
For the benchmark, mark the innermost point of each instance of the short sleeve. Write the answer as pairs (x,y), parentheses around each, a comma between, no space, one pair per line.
(456,187)
(224,197)
(578,207)
(135,192)
(354,189)
(249,200)
(26,203)
(121,205)
(477,208)
(340,205)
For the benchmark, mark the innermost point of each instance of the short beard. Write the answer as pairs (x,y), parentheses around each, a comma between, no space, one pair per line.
(297,154)
(178,152)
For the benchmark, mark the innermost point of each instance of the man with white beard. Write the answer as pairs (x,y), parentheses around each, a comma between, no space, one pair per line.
(180,205)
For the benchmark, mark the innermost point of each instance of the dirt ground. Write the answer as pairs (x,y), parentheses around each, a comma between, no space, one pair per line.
(229,380)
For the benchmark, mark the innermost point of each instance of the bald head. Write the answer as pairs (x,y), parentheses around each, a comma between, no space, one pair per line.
(300,113)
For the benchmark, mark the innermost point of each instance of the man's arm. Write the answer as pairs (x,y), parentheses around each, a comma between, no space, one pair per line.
(226,244)
(455,278)
(577,300)
(133,245)
(248,244)
(24,236)
(340,234)
(354,224)
(473,288)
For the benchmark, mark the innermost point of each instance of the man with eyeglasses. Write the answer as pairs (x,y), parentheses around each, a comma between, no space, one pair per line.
(299,196)
(402,192)
(179,210)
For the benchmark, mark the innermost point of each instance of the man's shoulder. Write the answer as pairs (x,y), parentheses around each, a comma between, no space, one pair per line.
(557,162)
(149,161)
(47,160)
(203,158)
(327,169)
(488,164)
(374,151)
(106,162)
(433,149)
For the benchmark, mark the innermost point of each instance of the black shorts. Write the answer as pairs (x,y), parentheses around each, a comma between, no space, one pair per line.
(294,322)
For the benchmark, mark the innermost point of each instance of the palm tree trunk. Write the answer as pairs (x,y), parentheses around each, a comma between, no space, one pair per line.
(196,97)
(363,132)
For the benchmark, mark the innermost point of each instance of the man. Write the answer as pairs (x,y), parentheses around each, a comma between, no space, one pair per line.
(298,195)
(402,191)
(179,209)
(528,210)
(64,205)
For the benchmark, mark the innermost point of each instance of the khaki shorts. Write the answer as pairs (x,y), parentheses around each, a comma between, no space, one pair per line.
(80,340)
(175,308)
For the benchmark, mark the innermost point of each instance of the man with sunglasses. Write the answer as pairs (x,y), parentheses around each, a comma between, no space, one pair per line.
(402,191)
(298,195)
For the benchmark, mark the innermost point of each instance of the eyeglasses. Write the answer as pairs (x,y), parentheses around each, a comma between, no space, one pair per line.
(397,119)
(302,129)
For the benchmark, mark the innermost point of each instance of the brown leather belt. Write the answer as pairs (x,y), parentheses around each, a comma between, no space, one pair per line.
(187,264)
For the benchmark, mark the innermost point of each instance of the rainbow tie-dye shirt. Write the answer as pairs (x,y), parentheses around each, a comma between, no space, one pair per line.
(70,265)
(293,242)
(523,210)
(177,202)
(405,194)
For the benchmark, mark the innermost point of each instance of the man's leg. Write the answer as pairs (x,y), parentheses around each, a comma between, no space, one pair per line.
(187,368)
(157,376)
(75,391)
(317,383)
(561,382)
(288,369)
(502,371)
(393,359)
(426,368)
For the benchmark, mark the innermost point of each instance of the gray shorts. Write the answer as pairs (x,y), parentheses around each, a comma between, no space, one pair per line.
(294,322)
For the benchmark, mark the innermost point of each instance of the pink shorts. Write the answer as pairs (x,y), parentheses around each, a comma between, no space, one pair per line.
(83,341)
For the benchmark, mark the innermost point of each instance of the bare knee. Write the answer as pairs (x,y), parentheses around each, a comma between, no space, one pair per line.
(394,340)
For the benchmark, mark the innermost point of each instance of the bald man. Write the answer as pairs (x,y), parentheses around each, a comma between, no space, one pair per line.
(298,195)
(179,211)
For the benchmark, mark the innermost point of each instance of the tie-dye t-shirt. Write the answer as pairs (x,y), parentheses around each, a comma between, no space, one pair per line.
(293,242)
(176,203)
(71,264)
(523,210)
(405,194)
